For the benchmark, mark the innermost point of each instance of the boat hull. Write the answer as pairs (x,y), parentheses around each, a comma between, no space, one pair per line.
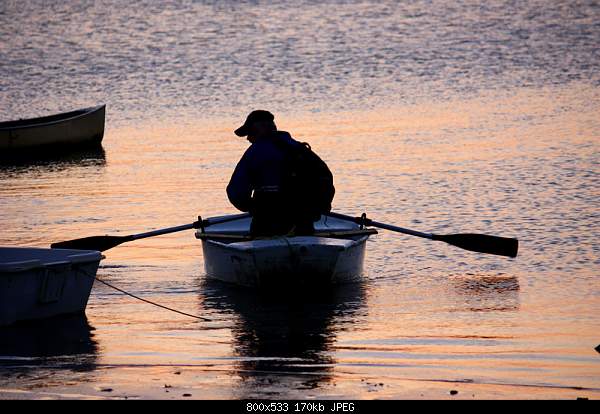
(287,261)
(41,283)
(82,128)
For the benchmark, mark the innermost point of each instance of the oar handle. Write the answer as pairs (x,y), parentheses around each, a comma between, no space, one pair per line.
(368,222)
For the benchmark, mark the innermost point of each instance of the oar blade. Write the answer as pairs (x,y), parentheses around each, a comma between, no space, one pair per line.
(482,243)
(100,243)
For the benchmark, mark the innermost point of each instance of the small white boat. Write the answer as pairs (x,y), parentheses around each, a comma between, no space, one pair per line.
(84,127)
(38,283)
(333,255)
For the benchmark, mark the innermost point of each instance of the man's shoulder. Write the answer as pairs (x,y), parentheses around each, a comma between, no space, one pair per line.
(260,149)
(281,140)
(284,135)
(286,138)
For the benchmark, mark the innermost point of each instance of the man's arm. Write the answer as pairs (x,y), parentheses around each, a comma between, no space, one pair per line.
(239,190)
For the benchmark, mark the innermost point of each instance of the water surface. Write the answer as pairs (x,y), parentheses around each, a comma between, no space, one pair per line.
(468,117)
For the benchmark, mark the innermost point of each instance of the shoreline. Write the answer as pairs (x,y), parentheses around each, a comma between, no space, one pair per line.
(168,385)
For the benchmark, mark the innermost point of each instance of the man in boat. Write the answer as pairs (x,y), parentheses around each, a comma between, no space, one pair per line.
(261,183)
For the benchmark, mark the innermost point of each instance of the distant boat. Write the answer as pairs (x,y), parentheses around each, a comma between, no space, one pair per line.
(61,132)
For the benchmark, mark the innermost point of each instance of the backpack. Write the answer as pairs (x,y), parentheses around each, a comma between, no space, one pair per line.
(308,182)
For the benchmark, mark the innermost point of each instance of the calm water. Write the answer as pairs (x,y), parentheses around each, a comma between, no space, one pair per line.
(462,117)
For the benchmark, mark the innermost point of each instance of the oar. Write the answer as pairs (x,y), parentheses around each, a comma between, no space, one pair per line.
(102,243)
(481,243)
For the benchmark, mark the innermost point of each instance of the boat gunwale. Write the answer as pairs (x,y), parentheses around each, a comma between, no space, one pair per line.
(39,121)
(81,258)
(244,236)
(232,246)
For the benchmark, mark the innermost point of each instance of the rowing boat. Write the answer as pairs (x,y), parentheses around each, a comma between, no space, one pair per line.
(75,129)
(37,283)
(333,255)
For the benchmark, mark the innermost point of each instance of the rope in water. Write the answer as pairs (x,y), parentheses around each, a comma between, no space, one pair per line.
(142,299)
(150,302)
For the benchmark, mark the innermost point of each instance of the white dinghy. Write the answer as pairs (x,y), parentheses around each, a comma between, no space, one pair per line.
(38,283)
(333,255)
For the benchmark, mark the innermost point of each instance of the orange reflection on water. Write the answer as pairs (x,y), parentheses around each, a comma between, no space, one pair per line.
(517,165)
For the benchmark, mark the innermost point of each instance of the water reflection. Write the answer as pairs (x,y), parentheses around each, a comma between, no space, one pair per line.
(285,340)
(486,293)
(51,161)
(63,343)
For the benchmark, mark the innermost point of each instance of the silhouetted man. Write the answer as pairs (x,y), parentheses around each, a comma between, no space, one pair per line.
(260,183)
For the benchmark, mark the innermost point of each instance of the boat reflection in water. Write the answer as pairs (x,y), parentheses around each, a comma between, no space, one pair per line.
(92,156)
(284,342)
(486,293)
(31,352)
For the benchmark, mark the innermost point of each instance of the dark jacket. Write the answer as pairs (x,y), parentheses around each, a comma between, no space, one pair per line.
(261,168)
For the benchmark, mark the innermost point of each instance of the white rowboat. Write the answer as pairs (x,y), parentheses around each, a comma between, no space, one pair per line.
(38,283)
(333,255)
(84,127)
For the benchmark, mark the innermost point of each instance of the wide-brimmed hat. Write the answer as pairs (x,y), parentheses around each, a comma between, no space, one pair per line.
(254,116)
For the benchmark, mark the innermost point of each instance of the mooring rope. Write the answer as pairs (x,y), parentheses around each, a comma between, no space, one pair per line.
(142,299)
